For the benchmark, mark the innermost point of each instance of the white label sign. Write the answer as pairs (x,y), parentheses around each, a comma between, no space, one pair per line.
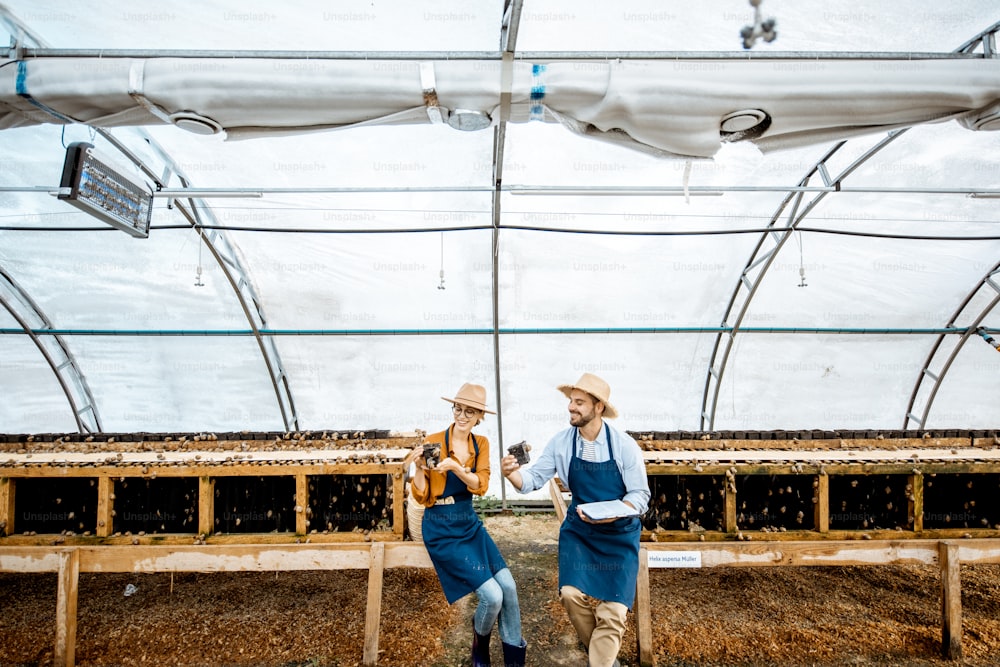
(674,558)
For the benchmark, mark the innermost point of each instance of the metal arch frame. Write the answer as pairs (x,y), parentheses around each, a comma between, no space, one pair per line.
(988,40)
(56,353)
(228,260)
(763,259)
(990,281)
(720,350)
(225,255)
(67,371)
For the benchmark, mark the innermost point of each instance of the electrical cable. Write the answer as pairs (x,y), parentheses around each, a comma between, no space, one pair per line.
(524,228)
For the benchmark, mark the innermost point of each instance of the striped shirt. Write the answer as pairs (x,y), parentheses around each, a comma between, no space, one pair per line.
(589,450)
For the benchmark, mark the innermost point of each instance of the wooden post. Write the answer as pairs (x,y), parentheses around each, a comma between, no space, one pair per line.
(822,516)
(916,502)
(557,500)
(373,614)
(643,613)
(69,577)
(206,505)
(105,506)
(730,525)
(951,600)
(7,487)
(301,504)
(398,499)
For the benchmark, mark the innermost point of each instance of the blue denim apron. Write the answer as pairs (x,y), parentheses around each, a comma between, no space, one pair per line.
(602,560)
(464,555)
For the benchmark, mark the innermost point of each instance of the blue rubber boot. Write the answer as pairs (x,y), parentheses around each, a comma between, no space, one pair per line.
(480,649)
(513,656)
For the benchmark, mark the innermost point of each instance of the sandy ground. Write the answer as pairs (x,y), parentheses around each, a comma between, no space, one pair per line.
(885,615)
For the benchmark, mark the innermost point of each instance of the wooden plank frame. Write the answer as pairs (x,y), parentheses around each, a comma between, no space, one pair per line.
(69,562)
(107,478)
(948,555)
(907,458)
(7,487)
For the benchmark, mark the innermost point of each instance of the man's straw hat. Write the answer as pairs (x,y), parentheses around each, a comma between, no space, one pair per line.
(594,386)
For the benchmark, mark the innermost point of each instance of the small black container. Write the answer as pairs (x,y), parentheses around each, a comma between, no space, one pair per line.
(432,455)
(520,452)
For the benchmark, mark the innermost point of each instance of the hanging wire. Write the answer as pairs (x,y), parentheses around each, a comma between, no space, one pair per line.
(802,265)
(197,273)
(441,285)
(687,181)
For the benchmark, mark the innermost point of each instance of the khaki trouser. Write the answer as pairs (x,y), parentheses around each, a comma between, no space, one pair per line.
(600,628)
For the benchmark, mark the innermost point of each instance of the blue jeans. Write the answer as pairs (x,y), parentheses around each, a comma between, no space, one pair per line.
(498,597)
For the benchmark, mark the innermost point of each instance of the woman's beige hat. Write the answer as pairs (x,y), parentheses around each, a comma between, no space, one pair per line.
(594,386)
(472,395)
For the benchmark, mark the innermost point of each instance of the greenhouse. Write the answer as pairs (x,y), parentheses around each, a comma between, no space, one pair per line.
(261,243)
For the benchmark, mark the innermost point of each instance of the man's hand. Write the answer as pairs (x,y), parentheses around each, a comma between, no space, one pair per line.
(587,519)
(509,464)
(509,467)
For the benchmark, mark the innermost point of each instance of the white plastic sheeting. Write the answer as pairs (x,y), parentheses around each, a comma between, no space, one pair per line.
(681,107)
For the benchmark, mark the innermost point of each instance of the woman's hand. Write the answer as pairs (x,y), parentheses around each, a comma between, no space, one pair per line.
(450,464)
(416,456)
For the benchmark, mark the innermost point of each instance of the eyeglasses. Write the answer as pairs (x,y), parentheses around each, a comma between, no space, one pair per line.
(469,412)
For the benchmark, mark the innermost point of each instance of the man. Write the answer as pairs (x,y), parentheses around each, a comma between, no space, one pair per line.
(597,559)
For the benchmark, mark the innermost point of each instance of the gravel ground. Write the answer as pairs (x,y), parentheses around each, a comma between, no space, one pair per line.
(827,616)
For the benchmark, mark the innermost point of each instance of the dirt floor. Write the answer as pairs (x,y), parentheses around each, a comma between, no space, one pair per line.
(728,616)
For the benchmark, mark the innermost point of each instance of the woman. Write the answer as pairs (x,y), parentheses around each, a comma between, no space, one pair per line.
(464,555)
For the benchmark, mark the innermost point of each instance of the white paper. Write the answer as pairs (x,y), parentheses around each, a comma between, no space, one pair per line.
(608,509)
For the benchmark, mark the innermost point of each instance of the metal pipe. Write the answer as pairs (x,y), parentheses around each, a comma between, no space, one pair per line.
(491,331)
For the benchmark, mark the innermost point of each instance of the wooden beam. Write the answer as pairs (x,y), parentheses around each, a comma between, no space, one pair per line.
(557,499)
(915,504)
(226,558)
(808,553)
(105,506)
(373,613)
(301,504)
(7,488)
(145,470)
(206,505)
(793,466)
(736,444)
(730,524)
(643,613)
(66,597)
(292,557)
(212,558)
(822,507)
(951,601)
(407,554)
(398,504)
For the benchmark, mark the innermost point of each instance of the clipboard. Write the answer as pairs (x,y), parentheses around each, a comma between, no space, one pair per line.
(607,509)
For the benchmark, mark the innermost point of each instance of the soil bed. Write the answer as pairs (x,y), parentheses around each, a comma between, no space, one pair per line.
(818,616)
